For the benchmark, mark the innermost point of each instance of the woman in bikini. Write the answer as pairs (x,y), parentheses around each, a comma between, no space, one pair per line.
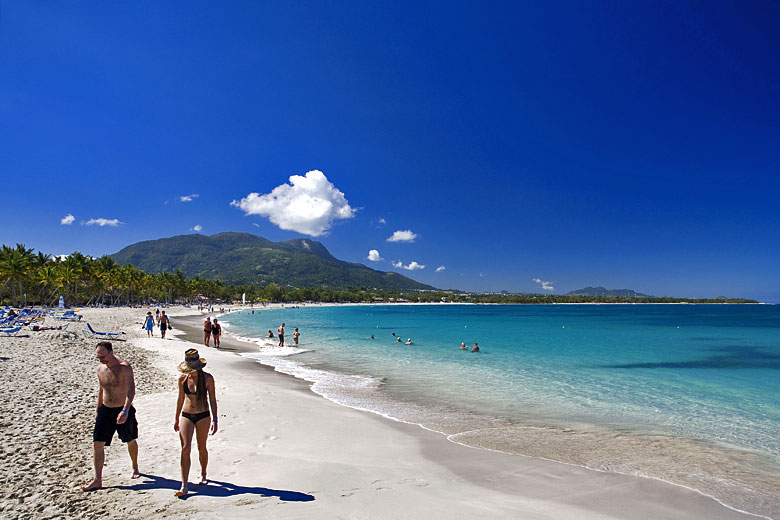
(196,396)
(216,332)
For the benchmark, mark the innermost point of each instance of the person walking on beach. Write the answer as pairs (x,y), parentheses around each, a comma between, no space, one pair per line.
(216,332)
(115,412)
(149,325)
(280,330)
(296,334)
(195,409)
(207,331)
(164,324)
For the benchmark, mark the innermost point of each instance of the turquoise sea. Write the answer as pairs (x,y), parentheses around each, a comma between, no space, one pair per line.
(689,394)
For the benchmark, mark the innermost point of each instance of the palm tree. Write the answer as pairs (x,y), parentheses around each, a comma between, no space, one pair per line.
(15,266)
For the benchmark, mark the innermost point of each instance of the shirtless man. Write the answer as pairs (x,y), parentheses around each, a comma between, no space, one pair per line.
(115,412)
(207,331)
(280,330)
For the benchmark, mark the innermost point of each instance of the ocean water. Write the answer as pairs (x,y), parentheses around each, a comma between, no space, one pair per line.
(688,394)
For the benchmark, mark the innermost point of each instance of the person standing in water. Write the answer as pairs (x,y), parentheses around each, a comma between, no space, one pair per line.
(296,334)
(280,330)
(197,403)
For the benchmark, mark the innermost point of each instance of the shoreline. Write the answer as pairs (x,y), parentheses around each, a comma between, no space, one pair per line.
(247,346)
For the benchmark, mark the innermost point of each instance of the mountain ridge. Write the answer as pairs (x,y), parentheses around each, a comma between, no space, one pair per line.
(244,258)
(601,291)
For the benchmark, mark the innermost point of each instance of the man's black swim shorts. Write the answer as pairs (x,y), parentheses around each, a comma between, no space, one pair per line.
(105,425)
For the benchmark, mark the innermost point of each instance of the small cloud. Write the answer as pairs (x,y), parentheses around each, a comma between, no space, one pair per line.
(67,220)
(410,267)
(188,198)
(440,268)
(197,227)
(403,236)
(255,224)
(103,222)
(308,205)
(547,286)
(373,255)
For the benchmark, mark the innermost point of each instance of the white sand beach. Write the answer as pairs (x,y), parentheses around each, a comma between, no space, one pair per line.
(281,451)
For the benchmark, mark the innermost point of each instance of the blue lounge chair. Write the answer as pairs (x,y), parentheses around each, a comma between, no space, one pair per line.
(89,332)
(11,332)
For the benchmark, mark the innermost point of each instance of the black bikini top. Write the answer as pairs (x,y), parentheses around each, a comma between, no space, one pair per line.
(186,386)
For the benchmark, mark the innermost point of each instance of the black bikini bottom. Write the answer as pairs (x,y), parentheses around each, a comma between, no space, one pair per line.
(195,417)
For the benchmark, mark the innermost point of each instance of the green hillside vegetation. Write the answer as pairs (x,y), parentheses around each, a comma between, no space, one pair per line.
(39,279)
(601,291)
(246,259)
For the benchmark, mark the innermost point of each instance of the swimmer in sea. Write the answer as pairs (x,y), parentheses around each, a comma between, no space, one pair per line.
(409,341)
(476,348)
(463,345)
(399,339)
(372,336)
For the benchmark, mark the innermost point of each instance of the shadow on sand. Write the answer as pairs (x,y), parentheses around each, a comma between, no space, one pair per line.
(214,488)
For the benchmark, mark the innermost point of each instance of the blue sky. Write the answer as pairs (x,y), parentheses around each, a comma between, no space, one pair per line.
(630,145)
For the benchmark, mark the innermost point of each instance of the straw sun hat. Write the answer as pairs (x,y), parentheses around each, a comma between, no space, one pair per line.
(192,361)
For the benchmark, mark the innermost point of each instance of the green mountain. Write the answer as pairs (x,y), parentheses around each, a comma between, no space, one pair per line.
(243,258)
(601,291)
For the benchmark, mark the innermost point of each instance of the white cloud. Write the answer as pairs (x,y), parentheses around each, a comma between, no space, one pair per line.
(403,236)
(308,205)
(255,224)
(547,286)
(67,220)
(411,267)
(103,222)
(440,268)
(188,198)
(373,255)
(197,228)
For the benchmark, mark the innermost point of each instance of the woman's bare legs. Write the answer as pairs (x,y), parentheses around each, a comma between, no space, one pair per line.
(186,429)
(202,434)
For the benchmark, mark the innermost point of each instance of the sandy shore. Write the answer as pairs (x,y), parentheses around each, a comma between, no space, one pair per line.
(281,451)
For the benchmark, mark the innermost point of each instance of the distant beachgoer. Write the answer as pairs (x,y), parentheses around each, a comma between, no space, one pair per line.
(393,333)
(149,324)
(476,348)
(115,412)
(194,387)
(372,336)
(295,336)
(164,324)
(280,330)
(270,334)
(399,339)
(463,345)
(157,315)
(207,331)
(409,341)
(216,332)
